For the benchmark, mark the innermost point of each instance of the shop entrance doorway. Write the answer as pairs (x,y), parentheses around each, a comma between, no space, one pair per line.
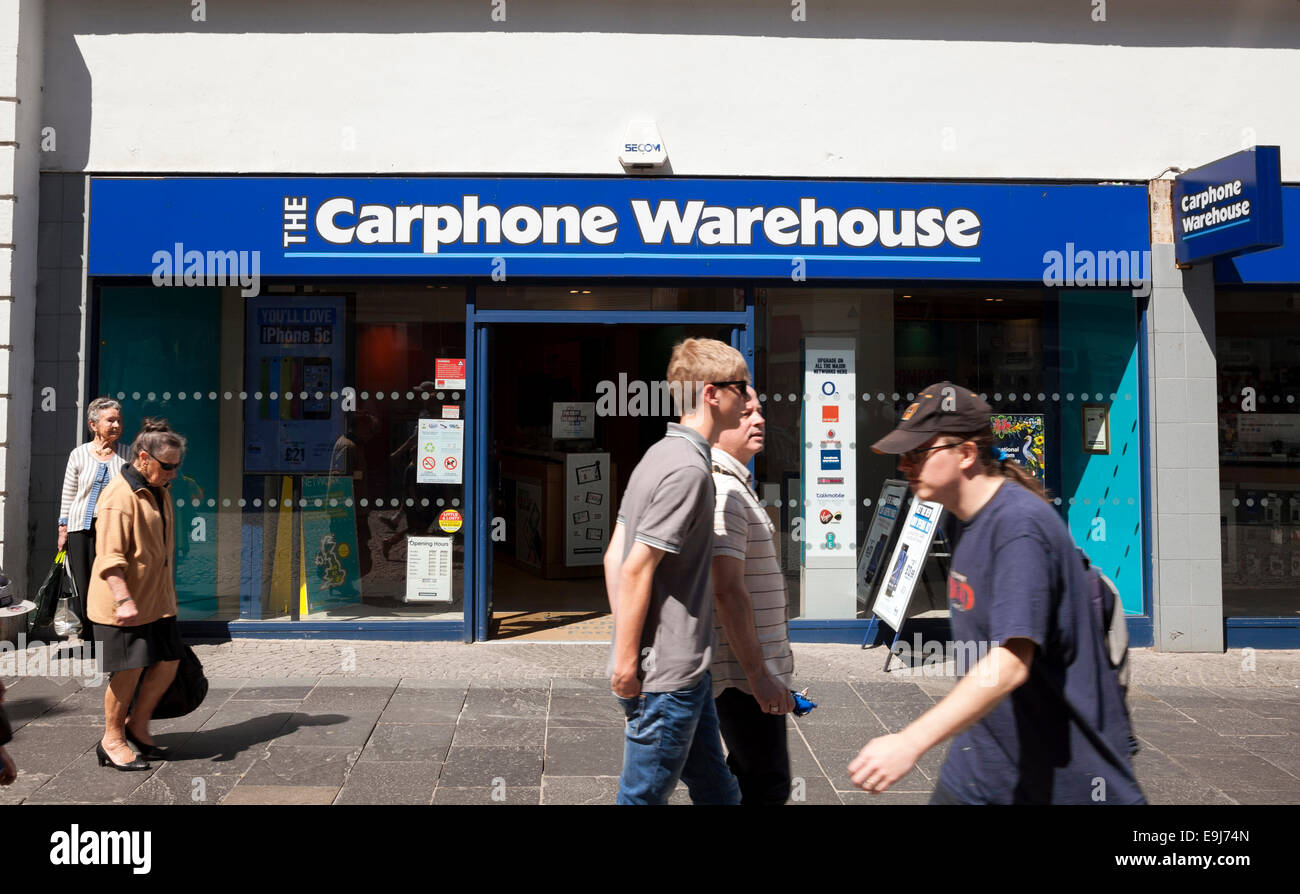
(568,412)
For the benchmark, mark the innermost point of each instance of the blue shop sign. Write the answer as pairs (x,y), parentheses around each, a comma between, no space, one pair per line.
(550,227)
(1229,207)
(1279,265)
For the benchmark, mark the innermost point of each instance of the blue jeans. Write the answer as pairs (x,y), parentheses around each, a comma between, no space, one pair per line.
(671,736)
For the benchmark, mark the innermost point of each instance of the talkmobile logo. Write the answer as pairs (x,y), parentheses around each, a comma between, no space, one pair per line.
(90,848)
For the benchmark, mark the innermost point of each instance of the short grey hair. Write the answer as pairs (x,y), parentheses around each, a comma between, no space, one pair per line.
(98,405)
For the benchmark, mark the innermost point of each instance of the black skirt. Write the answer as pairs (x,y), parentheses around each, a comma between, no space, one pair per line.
(125,648)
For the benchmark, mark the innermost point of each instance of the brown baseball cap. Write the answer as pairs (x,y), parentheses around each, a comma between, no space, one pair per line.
(942,407)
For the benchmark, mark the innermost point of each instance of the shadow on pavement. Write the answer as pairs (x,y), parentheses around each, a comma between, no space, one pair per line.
(22,711)
(225,743)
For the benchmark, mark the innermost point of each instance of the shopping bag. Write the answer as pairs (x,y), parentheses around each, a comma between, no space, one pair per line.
(57,585)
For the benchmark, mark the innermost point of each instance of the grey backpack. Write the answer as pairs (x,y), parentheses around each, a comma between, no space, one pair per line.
(1109,609)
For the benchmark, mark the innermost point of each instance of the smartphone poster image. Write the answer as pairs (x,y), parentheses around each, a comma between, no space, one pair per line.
(316,380)
(295,359)
(897,572)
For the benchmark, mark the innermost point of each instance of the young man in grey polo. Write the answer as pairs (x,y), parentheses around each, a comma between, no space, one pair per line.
(657,571)
(752,662)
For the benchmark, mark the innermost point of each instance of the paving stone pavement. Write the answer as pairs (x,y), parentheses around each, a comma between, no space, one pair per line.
(360,722)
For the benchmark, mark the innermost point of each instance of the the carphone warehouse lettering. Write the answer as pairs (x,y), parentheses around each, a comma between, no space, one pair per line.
(469,221)
(1213,206)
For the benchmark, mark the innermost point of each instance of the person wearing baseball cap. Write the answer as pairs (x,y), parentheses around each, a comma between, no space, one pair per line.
(1018,595)
(944,416)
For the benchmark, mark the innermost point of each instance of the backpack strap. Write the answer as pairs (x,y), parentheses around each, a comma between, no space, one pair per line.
(1084,726)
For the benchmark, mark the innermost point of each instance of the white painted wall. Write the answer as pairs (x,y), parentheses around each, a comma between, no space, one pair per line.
(998,89)
(21,64)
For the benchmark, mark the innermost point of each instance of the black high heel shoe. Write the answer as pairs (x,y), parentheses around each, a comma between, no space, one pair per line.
(106,761)
(148,752)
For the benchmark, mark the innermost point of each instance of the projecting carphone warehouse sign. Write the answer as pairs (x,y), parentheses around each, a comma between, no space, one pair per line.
(1229,207)
(504,228)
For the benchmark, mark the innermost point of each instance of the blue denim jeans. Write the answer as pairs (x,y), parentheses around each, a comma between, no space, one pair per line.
(671,736)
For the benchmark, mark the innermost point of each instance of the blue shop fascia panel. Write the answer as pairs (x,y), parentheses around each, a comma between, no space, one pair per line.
(735,229)
(479,229)
(1278,266)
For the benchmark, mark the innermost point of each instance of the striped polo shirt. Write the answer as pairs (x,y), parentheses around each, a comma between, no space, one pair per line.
(742,530)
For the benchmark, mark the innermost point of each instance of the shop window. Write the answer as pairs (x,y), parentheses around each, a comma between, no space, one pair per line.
(1258,355)
(150,361)
(311,417)
(1047,362)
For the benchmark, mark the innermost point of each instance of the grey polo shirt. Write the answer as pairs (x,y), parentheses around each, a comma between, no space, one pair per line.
(669,505)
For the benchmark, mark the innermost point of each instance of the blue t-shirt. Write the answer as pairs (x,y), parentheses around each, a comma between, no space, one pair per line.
(1016,573)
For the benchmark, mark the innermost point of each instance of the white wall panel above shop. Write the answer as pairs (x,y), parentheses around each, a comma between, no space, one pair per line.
(892,91)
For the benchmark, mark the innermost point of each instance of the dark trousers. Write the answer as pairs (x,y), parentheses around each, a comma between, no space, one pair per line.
(756,746)
(81,556)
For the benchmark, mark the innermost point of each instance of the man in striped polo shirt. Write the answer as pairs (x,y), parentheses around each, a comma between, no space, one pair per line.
(752,663)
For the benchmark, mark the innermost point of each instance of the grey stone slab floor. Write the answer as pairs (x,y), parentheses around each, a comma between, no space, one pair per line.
(338,722)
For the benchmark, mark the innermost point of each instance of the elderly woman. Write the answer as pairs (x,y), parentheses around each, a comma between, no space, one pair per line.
(133,594)
(91,467)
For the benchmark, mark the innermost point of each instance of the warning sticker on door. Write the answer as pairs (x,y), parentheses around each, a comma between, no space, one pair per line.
(442,451)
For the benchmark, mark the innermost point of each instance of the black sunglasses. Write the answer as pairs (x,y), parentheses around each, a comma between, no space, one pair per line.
(742,384)
(167,467)
(914,456)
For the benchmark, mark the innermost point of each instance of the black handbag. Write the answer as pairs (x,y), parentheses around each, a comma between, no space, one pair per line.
(58,584)
(187,691)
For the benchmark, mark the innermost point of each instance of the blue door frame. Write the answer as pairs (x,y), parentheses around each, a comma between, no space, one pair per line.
(478,341)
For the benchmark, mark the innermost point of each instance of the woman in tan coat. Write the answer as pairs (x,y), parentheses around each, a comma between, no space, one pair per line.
(132,596)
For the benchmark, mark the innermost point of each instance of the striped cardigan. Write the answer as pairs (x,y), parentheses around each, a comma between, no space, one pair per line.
(82,484)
